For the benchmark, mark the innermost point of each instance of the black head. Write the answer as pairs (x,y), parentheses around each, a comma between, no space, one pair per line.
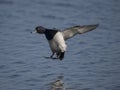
(40,29)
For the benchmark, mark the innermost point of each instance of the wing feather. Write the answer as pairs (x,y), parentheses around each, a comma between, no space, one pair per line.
(72,31)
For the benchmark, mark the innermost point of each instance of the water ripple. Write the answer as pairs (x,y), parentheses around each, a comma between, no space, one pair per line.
(6,2)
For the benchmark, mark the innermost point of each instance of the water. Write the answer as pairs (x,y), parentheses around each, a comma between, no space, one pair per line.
(91,61)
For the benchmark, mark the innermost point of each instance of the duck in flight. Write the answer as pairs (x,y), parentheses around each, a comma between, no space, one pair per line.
(56,38)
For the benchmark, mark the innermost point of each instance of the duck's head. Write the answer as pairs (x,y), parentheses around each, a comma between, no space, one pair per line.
(40,29)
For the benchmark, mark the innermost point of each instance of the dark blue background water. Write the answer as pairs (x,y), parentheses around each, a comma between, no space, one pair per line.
(92,60)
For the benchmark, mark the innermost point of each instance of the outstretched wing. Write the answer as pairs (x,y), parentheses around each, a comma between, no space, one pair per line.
(72,31)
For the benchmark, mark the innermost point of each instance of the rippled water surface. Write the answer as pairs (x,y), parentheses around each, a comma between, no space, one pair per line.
(92,60)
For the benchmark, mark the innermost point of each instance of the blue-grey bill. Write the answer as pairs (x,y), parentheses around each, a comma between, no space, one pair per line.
(34,31)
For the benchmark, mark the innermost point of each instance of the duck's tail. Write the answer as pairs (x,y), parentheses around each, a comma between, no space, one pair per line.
(60,55)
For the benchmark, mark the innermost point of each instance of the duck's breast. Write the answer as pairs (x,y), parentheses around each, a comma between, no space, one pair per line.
(58,43)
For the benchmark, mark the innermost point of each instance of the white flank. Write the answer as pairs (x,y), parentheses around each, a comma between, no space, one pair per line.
(58,43)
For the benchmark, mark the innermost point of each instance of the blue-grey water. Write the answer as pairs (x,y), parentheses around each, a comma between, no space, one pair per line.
(92,60)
